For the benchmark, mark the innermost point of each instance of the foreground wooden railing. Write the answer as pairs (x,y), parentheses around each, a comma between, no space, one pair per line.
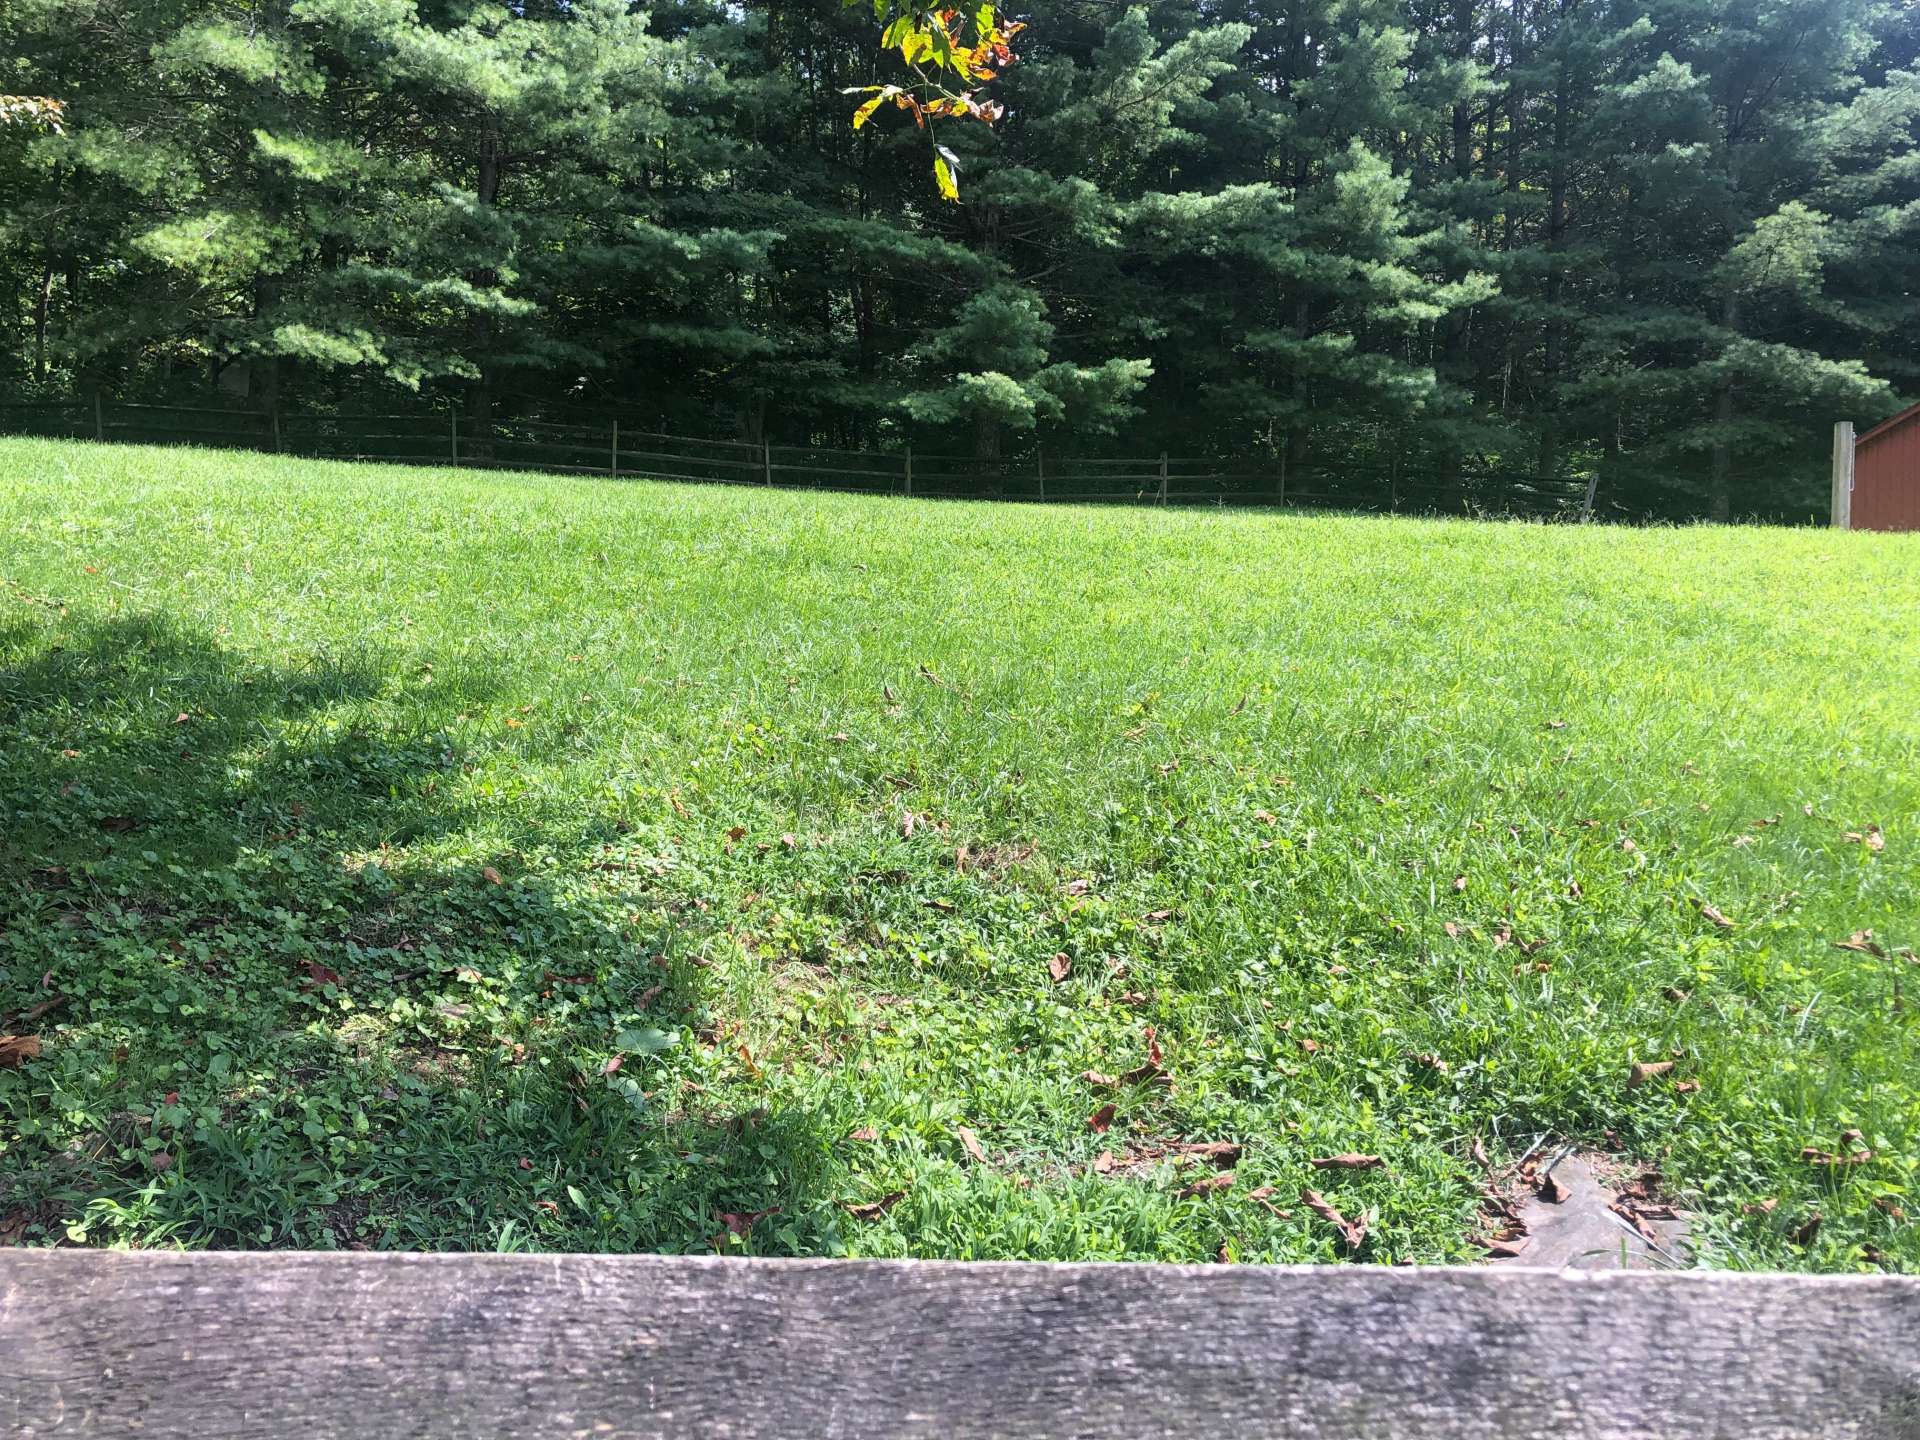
(319,1345)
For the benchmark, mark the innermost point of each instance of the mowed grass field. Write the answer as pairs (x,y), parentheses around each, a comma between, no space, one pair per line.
(429,859)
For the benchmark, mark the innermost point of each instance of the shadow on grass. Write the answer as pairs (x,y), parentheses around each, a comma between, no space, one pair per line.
(292,990)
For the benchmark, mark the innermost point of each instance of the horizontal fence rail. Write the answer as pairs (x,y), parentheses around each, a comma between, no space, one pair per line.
(101,1343)
(608,447)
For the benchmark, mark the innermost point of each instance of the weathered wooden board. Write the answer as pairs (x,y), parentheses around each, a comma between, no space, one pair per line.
(314,1346)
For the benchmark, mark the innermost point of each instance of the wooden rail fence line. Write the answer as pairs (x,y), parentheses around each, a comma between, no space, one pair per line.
(99,1343)
(619,451)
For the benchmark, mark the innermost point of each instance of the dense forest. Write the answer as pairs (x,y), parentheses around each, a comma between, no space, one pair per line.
(1669,241)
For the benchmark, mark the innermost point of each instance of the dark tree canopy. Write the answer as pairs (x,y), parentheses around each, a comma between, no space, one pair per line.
(1668,240)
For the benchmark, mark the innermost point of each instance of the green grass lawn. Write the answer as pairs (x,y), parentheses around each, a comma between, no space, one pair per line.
(365,817)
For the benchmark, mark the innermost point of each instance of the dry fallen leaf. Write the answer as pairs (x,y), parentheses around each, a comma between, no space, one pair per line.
(1632,1215)
(1712,913)
(1209,1185)
(1264,1198)
(318,974)
(491,875)
(611,1065)
(16,1050)
(1060,967)
(1862,941)
(1459,883)
(1352,1160)
(1645,1070)
(1102,1119)
(742,1224)
(971,1142)
(865,1133)
(1352,1232)
(874,1209)
(34,1012)
(1220,1152)
(1096,1077)
(1554,1190)
(1076,887)
(1815,1156)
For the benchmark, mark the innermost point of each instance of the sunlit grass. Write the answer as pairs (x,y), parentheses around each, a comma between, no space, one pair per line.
(370,813)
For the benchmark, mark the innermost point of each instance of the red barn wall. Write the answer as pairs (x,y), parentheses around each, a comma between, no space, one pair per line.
(1886,476)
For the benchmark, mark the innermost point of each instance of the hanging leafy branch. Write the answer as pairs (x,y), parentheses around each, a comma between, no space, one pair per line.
(35,110)
(951,53)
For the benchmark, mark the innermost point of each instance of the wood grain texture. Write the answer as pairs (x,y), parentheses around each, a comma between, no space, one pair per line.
(362,1345)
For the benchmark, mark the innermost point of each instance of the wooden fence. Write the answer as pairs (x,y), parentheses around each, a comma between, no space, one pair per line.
(97,1343)
(607,447)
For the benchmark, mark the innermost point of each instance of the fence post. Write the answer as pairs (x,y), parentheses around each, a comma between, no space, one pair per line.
(613,461)
(1586,505)
(1040,464)
(1281,498)
(1163,477)
(453,434)
(273,415)
(1842,517)
(766,461)
(909,472)
(99,418)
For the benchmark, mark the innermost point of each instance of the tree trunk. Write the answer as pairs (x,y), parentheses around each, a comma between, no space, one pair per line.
(1510,209)
(1556,243)
(1456,347)
(479,420)
(1298,431)
(1720,486)
(42,303)
(266,291)
(986,436)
